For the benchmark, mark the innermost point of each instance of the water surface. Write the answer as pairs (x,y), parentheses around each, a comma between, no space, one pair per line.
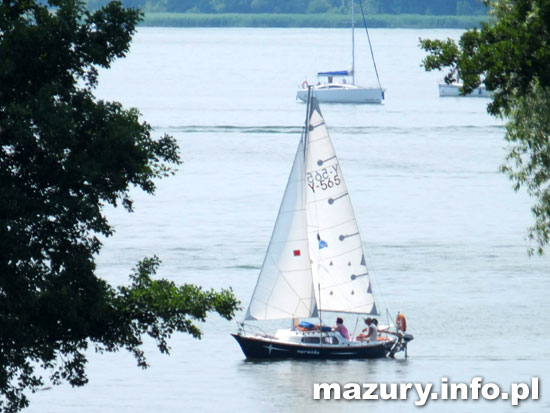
(444,231)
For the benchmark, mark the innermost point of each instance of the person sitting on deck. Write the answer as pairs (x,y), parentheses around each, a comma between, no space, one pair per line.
(371,332)
(341,328)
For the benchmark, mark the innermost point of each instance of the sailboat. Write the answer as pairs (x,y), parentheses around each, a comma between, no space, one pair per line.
(339,86)
(315,264)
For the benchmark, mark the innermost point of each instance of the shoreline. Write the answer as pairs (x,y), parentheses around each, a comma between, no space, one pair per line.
(404,21)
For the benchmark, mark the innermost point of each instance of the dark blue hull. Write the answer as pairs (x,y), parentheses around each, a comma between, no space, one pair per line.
(265,348)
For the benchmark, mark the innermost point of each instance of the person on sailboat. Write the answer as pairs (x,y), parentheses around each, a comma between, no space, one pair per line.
(341,328)
(371,331)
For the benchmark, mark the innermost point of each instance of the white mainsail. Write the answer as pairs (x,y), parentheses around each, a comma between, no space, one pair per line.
(315,258)
(337,257)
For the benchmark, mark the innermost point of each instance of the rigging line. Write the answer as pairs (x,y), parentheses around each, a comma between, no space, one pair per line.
(309,109)
(388,318)
(370,44)
(303,137)
(319,310)
(355,328)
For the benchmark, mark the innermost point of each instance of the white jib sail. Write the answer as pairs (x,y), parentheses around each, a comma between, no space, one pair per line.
(340,276)
(285,288)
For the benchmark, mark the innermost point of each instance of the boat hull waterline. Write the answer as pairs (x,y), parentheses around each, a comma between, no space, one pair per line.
(266,348)
(453,90)
(344,94)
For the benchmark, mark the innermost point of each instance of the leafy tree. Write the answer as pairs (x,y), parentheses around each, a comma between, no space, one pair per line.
(436,7)
(63,156)
(229,6)
(261,6)
(510,55)
(371,6)
(294,6)
(470,7)
(319,6)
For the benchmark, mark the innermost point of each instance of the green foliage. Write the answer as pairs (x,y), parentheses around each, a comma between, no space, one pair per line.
(424,7)
(159,308)
(511,56)
(528,162)
(442,54)
(63,156)
(318,6)
(302,20)
(508,52)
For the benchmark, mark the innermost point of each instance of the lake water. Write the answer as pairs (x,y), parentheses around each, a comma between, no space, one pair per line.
(444,232)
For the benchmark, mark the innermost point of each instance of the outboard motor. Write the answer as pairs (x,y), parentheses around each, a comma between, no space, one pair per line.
(403,338)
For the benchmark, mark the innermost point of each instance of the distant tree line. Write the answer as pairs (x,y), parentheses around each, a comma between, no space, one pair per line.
(424,7)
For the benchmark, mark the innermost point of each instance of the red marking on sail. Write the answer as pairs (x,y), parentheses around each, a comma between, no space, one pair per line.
(297,253)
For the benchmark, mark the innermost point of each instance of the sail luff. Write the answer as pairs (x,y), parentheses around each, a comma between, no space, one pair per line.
(352,44)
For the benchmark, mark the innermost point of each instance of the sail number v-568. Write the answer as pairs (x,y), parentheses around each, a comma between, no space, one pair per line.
(323,178)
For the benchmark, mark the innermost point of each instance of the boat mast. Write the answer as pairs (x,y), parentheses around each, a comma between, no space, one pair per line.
(308,114)
(370,47)
(320,318)
(352,44)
